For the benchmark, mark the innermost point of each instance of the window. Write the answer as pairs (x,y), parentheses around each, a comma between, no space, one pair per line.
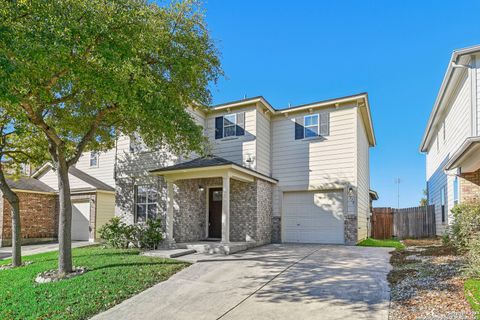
(442,203)
(311,126)
(229,125)
(137,144)
(146,198)
(455,191)
(93,159)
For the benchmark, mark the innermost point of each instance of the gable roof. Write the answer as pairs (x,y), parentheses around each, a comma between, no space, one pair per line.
(458,59)
(361,98)
(30,184)
(94,182)
(206,162)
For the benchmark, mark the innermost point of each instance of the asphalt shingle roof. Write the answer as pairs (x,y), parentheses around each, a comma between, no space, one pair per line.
(203,162)
(31,184)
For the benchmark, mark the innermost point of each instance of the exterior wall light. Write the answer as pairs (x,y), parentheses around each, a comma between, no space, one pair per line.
(201,188)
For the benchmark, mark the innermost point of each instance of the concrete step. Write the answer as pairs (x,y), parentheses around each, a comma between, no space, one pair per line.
(169,253)
(215,248)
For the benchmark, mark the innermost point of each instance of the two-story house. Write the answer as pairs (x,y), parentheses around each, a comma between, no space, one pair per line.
(299,174)
(452,137)
(294,175)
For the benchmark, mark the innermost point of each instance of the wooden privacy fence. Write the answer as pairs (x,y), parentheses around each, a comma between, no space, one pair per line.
(416,222)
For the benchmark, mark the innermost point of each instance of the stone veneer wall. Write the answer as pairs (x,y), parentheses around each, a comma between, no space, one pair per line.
(38,218)
(351,229)
(470,186)
(243,211)
(276,229)
(190,209)
(264,212)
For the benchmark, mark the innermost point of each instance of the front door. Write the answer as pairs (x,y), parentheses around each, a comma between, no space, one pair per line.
(215,213)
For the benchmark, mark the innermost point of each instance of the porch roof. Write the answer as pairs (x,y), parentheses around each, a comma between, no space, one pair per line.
(208,166)
(466,157)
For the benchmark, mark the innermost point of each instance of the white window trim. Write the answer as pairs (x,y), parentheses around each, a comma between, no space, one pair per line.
(97,161)
(311,126)
(230,125)
(146,203)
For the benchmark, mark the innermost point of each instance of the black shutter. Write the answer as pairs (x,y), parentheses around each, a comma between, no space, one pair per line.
(299,128)
(240,128)
(324,122)
(218,127)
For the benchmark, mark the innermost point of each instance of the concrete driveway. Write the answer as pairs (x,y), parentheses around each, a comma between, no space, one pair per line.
(271,282)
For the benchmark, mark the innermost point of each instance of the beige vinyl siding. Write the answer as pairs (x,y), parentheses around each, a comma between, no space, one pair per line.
(104,170)
(239,148)
(363,180)
(263,143)
(457,128)
(105,210)
(478,93)
(50,179)
(311,164)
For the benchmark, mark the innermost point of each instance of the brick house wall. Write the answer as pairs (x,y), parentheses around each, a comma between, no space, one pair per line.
(470,186)
(38,218)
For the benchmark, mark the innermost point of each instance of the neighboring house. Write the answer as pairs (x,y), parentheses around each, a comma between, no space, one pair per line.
(293,175)
(92,185)
(452,137)
(38,212)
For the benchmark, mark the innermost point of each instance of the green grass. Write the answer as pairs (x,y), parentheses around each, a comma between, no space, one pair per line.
(391,243)
(113,276)
(472,293)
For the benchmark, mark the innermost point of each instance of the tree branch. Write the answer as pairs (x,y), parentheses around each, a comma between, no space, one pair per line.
(91,133)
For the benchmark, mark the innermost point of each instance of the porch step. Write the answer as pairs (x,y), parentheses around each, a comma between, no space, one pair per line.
(215,247)
(169,253)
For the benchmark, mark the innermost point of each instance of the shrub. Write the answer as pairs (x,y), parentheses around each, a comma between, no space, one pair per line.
(466,225)
(464,234)
(149,235)
(118,234)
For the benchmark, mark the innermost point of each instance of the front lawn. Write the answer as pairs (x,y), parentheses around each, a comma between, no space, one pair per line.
(472,292)
(390,243)
(113,276)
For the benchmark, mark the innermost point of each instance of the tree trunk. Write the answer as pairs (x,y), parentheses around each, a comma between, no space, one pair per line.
(14,202)
(64,220)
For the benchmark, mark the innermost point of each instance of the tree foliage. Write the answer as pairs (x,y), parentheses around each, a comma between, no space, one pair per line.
(77,66)
(81,71)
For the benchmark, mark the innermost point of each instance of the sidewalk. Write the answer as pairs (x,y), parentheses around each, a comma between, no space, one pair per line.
(30,249)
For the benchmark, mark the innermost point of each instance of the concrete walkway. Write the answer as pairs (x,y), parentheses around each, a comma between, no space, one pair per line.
(271,282)
(30,249)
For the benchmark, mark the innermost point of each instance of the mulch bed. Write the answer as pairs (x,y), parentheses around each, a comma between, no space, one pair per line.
(426,283)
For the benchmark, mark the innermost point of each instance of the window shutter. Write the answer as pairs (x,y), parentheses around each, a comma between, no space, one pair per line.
(240,129)
(218,127)
(299,128)
(324,122)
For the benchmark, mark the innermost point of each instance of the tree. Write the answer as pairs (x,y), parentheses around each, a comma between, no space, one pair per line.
(82,70)
(424,199)
(17,147)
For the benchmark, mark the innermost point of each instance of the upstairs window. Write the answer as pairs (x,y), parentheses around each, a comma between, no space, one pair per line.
(146,199)
(230,125)
(136,144)
(312,125)
(93,159)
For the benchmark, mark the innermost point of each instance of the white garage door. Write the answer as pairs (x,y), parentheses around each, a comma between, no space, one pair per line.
(80,220)
(313,217)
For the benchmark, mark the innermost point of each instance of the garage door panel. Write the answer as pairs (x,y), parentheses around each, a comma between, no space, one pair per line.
(81,220)
(313,217)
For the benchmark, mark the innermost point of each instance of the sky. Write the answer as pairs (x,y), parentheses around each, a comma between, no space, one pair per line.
(304,51)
